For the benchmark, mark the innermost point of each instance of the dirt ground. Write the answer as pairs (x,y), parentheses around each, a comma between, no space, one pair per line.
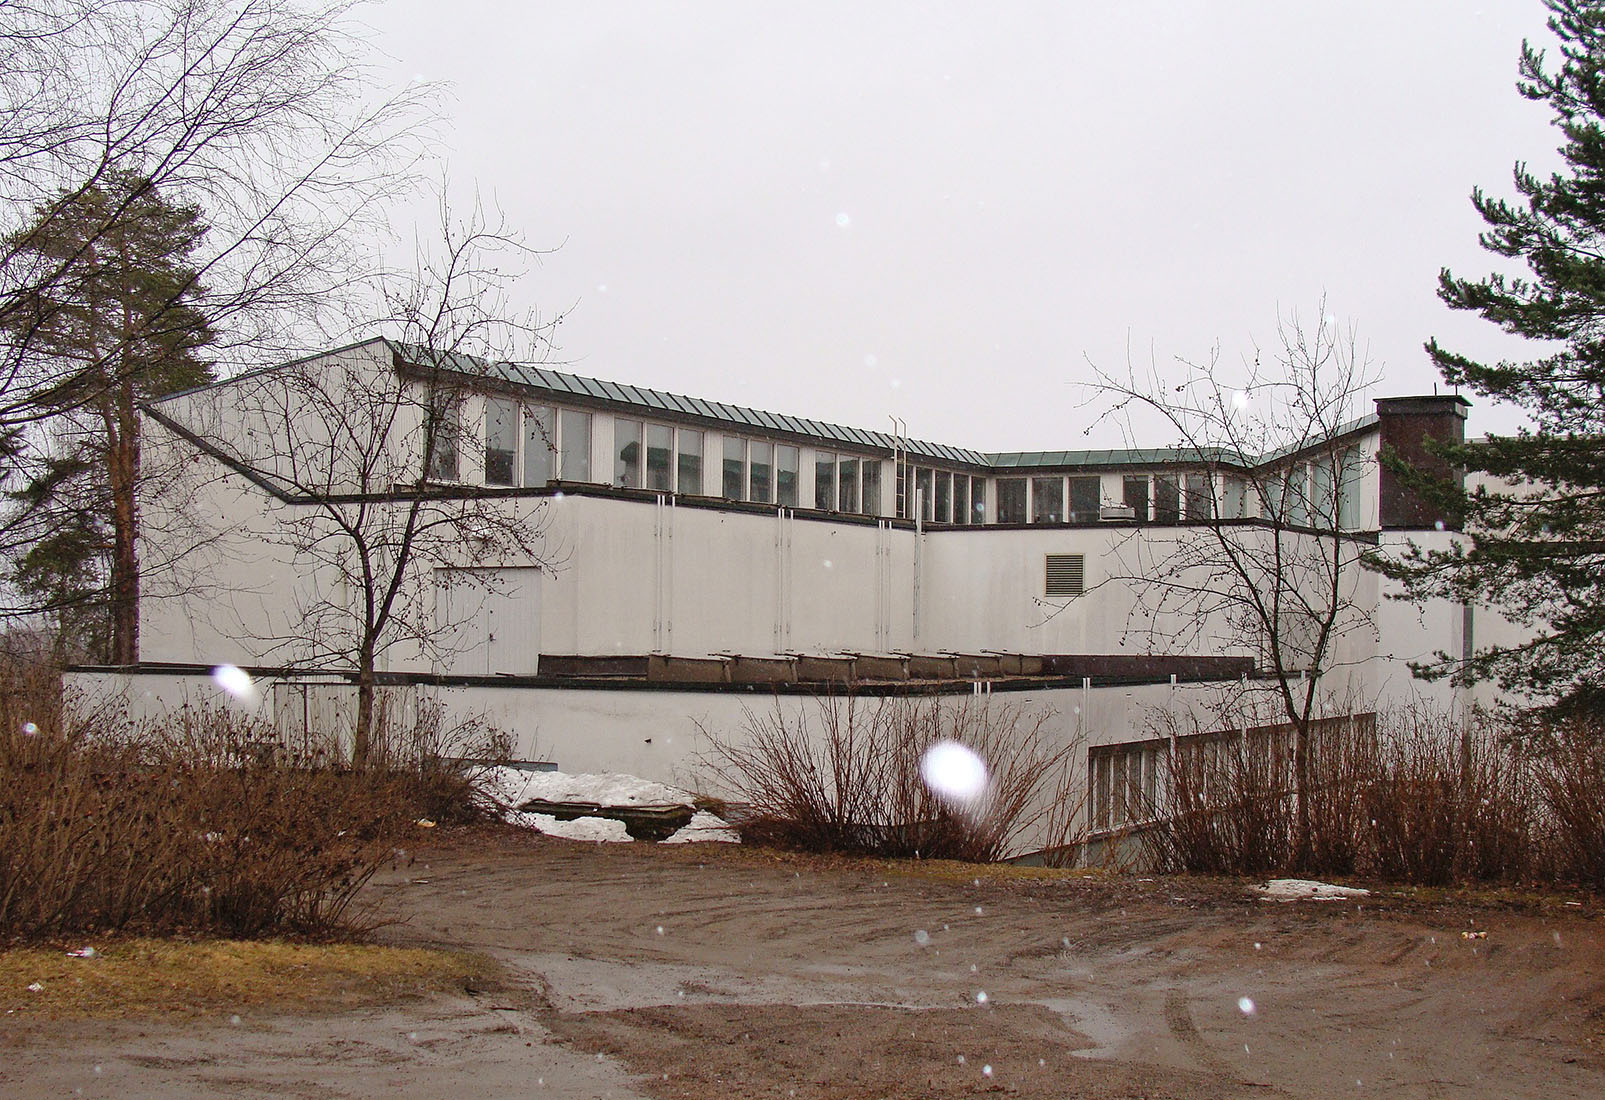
(639,971)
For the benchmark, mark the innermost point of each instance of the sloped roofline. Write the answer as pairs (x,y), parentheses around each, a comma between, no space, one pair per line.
(562,385)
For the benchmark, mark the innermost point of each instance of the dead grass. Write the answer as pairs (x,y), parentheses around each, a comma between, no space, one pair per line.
(141,977)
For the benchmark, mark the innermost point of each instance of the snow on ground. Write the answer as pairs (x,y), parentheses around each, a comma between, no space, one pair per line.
(702,827)
(509,788)
(512,787)
(599,829)
(1296,889)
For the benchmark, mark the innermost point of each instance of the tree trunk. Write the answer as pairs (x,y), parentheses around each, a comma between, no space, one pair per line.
(1299,858)
(362,736)
(123,468)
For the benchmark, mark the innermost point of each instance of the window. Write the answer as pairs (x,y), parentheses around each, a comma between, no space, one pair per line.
(1086,499)
(626,453)
(944,497)
(1233,498)
(760,467)
(1167,499)
(540,443)
(1348,491)
(442,428)
(1123,783)
(978,500)
(659,440)
(825,480)
(1065,575)
(690,462)
(1134,492)
(961,498)
(501,440)
(1011,500)
(574,455)
(1047,500)
(1296,502)
(925,489)
(847,484)
(872,486)
(1199,499)
(786,459)
(735,468)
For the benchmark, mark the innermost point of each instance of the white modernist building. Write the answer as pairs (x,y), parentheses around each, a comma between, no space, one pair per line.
(676,560)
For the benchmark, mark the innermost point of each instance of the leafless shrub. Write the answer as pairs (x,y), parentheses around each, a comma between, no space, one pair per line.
(1568,763)
(843,775)
(1449,801)
(1414,796)
(178,826)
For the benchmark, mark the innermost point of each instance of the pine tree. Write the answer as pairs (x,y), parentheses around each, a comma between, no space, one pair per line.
(118,325)
(1534,521)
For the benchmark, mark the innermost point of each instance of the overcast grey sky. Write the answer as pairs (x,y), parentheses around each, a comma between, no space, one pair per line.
(943,211)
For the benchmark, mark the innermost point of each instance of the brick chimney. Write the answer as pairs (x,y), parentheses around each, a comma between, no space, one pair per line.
(1406,425)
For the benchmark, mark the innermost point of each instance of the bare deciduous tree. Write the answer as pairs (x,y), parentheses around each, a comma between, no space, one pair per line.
(256,113)
(366,461)
(1266,561)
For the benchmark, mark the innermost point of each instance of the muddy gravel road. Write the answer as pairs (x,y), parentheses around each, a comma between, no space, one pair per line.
(711,971)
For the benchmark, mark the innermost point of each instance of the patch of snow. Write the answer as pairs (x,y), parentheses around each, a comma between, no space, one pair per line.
(599,829)
(704,827)
(511,787)
(1306,889)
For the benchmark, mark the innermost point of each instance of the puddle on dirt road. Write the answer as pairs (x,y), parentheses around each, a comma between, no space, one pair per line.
(1106,1033)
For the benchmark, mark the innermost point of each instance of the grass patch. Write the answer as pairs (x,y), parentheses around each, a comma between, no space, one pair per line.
(139,977)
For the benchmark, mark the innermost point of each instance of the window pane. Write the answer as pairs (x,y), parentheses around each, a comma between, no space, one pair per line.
(1086,499)
(1167,499)
(575,459)
(1348,491)
(1011,500)
(1199,501)
(690,471)
(761,467)
(786,460)
(825,480)
(735,468)
(944,496)
(847,484)
(925,489)
(1234,498)
(658,441)
(1297,501)
(961,498)
(443,424)
(1134,491)
(626,453)
(872,486)
(540,443)
(1047,500)
(501,440)
(978,500)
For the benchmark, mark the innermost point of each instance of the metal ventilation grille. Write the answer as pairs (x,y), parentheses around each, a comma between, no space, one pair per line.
(1066,574)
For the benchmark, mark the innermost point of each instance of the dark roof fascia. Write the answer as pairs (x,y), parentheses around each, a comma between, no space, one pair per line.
(206,446)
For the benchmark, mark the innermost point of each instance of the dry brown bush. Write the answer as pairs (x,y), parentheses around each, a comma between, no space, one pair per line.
(843,775)
(107,824)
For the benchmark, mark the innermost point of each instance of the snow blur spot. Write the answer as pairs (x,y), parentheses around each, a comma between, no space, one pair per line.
(870,360)
(986,1071)
(978,911)
(234,680)
(843,220)
(601,288)
(980,998)
(954,772)
(896,383)
(921,937)
(1240,399)
(1256,946)
(1438,525)
(234,1020)
(660,929)
(961,1059)
(412,1036)
(1245,1005)
(29,728)
(826,563)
